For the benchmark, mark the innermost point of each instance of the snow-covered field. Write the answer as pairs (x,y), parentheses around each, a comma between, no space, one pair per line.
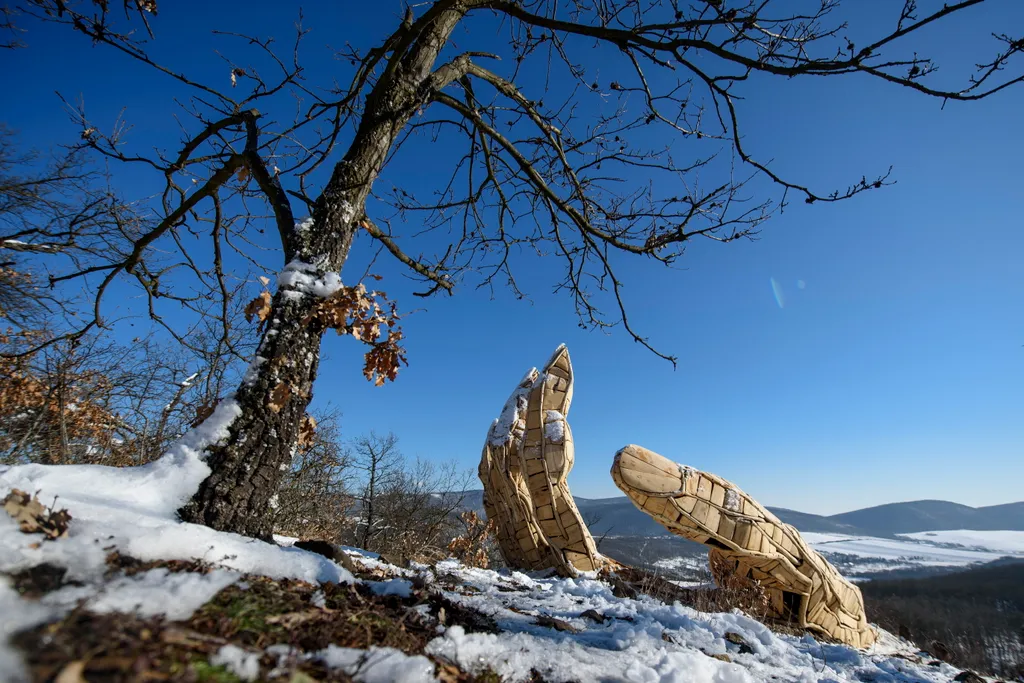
(686,565)
(1004,542)
(858,555)
(564,629)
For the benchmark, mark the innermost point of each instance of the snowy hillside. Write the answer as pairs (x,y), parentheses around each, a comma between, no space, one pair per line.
(247,610)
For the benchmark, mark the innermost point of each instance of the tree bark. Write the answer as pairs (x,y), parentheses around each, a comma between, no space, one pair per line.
(247,470)
(248,467)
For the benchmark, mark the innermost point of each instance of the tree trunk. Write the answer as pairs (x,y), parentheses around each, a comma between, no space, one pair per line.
(248,468)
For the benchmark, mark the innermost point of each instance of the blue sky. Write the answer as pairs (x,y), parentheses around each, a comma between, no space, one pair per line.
(893,370)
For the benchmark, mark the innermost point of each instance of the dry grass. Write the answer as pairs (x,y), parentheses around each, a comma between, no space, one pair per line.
(745,595)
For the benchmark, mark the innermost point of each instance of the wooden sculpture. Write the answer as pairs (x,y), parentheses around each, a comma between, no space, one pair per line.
(747,541)
(525,462)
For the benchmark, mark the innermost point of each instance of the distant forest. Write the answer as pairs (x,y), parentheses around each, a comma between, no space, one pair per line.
(973,619)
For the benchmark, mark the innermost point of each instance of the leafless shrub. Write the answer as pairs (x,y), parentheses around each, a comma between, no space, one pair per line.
(89,401)
(743,594)
(406,510)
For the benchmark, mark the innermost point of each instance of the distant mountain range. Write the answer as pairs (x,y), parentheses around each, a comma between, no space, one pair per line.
(619,517)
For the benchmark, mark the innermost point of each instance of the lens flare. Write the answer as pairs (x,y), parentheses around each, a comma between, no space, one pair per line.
(780,298)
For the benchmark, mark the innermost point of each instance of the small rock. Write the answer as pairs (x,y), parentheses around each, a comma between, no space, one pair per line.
(397,560)
(620,588)
(449,612)
(557,624)
(737,639)
(594,615)
(329,551)
(968,677)
(720,657)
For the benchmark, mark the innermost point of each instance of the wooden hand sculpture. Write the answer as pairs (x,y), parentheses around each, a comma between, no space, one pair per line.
(746,541)
(506,499)
(526,459)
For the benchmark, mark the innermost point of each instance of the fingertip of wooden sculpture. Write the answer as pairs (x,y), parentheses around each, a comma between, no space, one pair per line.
(637,470)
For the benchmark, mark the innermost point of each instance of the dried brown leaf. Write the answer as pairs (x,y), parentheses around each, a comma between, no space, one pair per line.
(307,431)
(449,673)
(279,396)
(258,307)
(365,315)
(384,359)
(58,523)
(202,412)
(32,516)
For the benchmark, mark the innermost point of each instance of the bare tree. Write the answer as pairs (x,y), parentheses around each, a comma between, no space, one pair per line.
(8,31)
(406,509)
(421,509)
(556,161)
(50,208)
(380,461)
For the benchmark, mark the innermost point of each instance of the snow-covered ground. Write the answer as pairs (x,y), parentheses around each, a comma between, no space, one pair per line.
(646,640)
(565,629)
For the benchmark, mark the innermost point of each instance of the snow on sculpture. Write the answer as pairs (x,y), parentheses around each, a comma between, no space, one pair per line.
(526,459)
(746,541)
